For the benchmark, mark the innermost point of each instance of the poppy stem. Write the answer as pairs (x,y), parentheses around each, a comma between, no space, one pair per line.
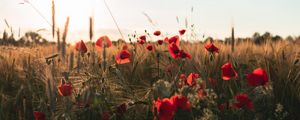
(104,58)
(158,57)
(78,62)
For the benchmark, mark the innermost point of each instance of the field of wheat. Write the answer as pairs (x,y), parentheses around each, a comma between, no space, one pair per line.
(151,76)
(163,80)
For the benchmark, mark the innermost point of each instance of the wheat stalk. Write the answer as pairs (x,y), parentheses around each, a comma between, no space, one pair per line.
(232,39)
(91,28)
(64,37)
(58,40)
(71,61)
(53,18)
(78,62)
(104,57)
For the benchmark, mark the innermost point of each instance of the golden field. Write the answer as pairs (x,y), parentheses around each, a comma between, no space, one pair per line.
(29,80)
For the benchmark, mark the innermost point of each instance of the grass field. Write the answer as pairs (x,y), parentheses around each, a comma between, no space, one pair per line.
(37,83)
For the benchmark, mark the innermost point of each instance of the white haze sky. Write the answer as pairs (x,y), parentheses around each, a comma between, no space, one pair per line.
(211,17)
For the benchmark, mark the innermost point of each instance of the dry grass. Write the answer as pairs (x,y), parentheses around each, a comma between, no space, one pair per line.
(29,83)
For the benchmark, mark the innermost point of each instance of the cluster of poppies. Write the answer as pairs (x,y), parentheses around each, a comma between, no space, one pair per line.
(123,55)
(258,77)
(167,107)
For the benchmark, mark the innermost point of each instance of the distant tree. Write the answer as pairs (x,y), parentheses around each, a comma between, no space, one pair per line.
(289,38)
(21,41)
(297,40)
(255,35)
(227,40)
(5,35)
(11,40)
(35,38)
(276,38)
(257,39)
(4,38)
(267,36)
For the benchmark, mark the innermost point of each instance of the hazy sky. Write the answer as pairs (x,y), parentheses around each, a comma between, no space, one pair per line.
(211,17)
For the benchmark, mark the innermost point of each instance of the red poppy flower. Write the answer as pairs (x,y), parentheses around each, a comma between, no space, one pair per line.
(212,82)
(243,101)
(181,32)
(166,39)
(183,54)
(141,42)
(182,76)
(105,116)
(104,41)
(222,106)
(165,109)
(149,47)
(39,115)
(121,109)
(174,50)
(157,33)
(160,42)
(174,39)
(191,79)
(143,37)
(211,48)
(201,93)
(123,57)
(181,102)
(65,89)
(258,77)
(80,47)
(228,72)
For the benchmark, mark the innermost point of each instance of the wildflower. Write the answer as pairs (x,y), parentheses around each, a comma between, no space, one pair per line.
(105,116)
(222,106)
(165,109)
(149,47)
(65,89)
(104,41)
(157,33)
(211,48)
(177,53)
(242,101)
(257,77)
(181,102)
(174,50)
(201,93)
(182,76)
(182,31)
(166,39)
(183,54)
(143,37)
(141,42)
(160,42)
(191,79)
(80,47)
(123,57)
(228,72)
(39,115)
(175,39)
